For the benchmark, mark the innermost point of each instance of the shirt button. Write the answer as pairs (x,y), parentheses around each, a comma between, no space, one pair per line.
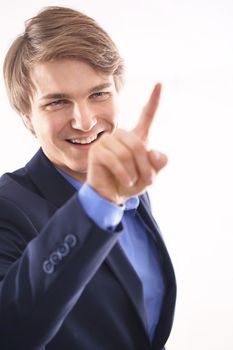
(48,267)
(55,257)
(71,240)
(64,249)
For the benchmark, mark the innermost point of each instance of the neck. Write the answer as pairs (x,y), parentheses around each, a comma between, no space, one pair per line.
(77,175)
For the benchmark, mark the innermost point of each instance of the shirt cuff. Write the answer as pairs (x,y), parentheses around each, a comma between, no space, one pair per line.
(103,212)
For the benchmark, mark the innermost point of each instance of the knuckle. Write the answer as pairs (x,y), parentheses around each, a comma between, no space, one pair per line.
(149,177)
(138,147)
(149,181)
(125,156)
(121,173)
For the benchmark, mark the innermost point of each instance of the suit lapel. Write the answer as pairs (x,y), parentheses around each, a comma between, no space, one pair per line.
(167,311)
(123,269)
(144,212)
(129,280)
(49,183)
(152,227)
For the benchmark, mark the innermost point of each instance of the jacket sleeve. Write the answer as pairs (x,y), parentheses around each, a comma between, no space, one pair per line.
(42,280)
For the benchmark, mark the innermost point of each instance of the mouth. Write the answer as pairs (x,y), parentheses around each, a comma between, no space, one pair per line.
(85,142)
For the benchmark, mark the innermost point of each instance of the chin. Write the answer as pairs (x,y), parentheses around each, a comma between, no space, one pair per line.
(79,171)
(77,166)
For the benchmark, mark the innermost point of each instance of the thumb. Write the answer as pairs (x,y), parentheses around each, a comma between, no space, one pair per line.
(157,159)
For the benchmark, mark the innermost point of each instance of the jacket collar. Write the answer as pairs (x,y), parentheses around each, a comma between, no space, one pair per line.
(50,184)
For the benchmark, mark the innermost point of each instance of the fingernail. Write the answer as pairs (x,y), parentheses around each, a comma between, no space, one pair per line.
(132,182)
(129,182)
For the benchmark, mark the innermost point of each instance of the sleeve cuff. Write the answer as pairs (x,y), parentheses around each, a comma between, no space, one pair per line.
(103,212)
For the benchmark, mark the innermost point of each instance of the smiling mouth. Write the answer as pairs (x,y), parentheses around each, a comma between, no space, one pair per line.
(85,141)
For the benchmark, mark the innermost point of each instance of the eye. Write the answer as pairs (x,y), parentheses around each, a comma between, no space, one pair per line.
(100,96)
(55,105)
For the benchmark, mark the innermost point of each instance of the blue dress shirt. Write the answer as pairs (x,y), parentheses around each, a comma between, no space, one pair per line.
(136,243)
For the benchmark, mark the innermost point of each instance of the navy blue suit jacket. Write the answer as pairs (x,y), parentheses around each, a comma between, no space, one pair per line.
(66,283)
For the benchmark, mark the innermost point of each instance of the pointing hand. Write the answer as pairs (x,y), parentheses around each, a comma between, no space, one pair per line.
(119,164)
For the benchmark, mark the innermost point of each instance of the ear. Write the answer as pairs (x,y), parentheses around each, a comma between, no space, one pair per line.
(28,123)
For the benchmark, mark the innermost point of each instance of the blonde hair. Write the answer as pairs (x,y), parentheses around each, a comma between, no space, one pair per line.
(57,33)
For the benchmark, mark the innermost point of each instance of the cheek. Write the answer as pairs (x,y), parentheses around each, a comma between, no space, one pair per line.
(46,128)
(111,117)
(113,112)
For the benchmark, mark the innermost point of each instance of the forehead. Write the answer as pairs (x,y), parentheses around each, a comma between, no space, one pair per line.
(66,76)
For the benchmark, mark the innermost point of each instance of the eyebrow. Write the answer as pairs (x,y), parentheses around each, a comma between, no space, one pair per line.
(60,95)
(100,87)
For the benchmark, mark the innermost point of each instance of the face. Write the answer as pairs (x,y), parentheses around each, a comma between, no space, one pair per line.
(72,106)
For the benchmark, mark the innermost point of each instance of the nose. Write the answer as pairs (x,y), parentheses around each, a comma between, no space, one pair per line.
(83,118)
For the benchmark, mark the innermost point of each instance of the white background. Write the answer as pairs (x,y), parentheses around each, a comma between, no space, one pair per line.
(188,46)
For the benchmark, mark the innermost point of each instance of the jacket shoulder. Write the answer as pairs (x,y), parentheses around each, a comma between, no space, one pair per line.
(18,178)
(18,191)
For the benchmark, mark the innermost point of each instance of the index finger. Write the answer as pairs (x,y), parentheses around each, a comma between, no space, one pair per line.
(144,123)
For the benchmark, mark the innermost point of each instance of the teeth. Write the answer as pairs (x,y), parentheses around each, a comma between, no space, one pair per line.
(85,141)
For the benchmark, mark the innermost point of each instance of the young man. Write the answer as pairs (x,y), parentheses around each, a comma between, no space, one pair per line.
(82,262)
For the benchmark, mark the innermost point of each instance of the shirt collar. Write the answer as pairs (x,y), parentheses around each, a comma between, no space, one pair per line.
(75,183)
(132,203)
